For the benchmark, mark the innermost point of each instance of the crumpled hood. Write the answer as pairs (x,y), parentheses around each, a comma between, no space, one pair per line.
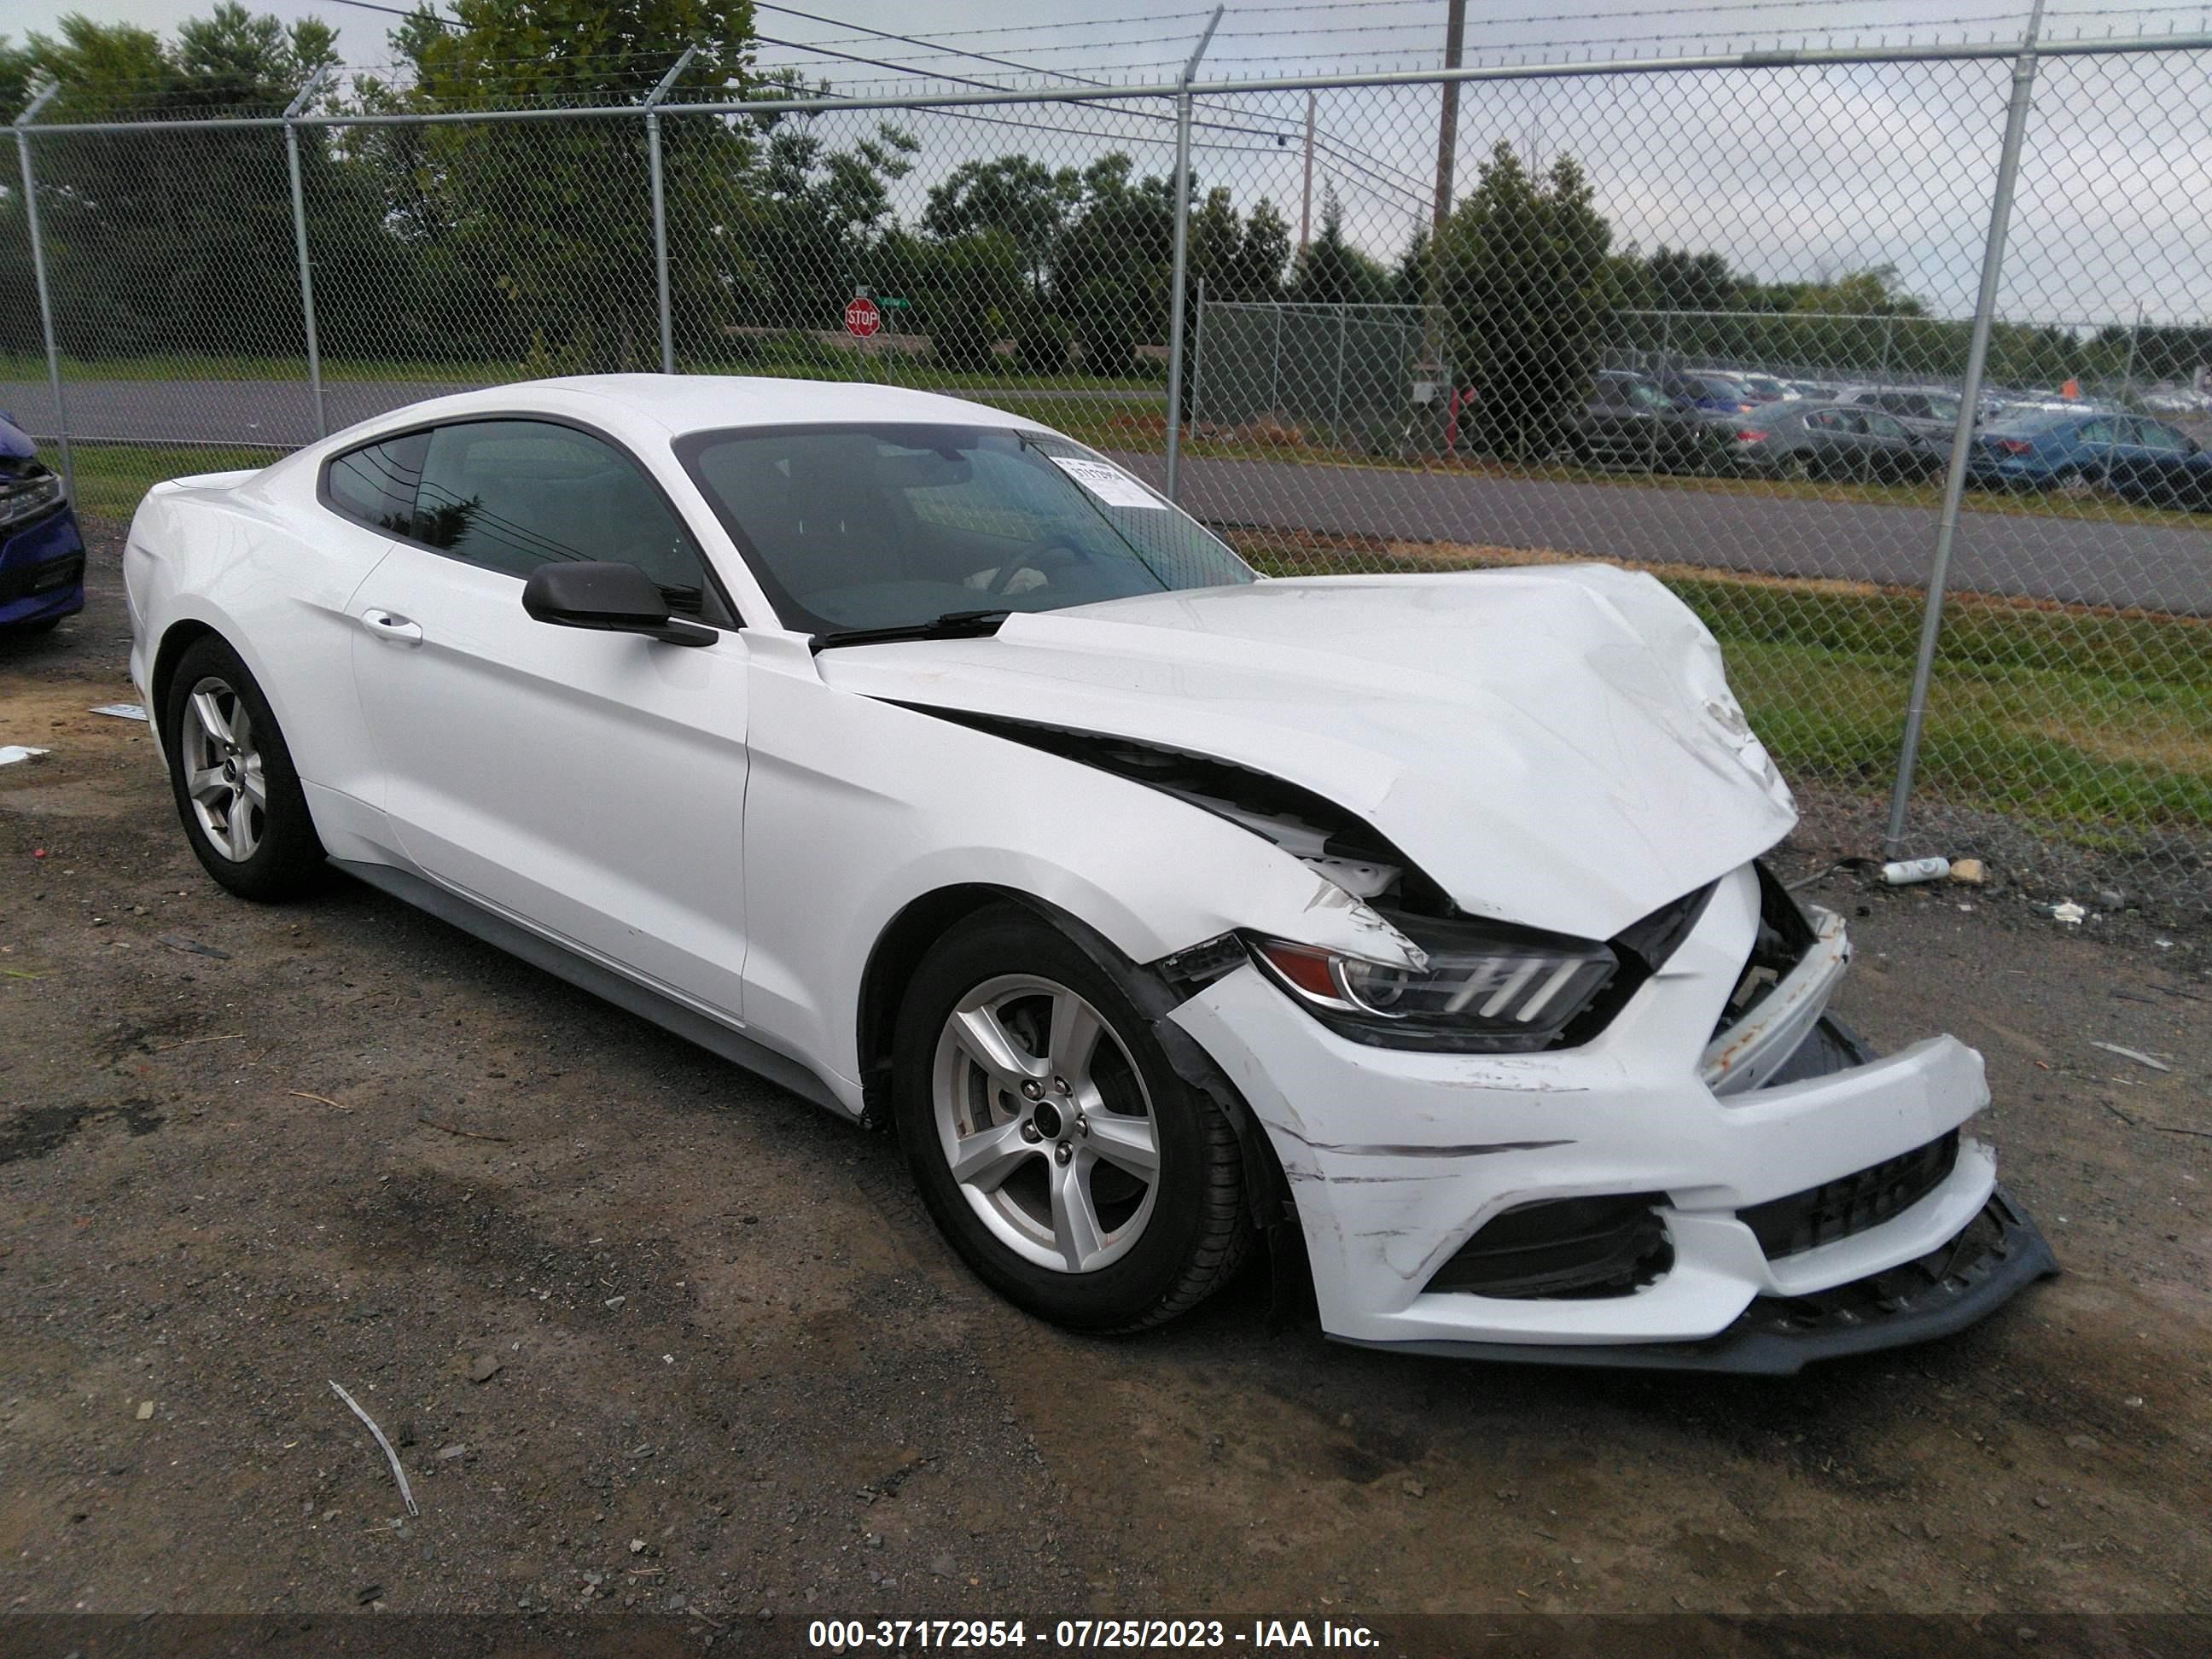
(1553,746)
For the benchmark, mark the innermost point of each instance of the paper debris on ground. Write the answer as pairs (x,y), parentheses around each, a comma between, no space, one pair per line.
(122,711)
(10,753)
(2135,1054)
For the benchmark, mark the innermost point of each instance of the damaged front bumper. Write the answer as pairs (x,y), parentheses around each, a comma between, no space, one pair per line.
(1653,1197)
(2000,1253)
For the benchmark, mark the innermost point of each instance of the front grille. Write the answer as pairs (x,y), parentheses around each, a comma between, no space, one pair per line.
(50,577)
(1852,1204)
(1563,1248)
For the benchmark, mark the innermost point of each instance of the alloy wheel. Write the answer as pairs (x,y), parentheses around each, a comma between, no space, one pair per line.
(1045,1123)
(224,776)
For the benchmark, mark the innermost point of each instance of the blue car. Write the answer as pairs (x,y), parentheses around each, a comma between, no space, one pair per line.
(2069,450)
(1717,394)
(41,550)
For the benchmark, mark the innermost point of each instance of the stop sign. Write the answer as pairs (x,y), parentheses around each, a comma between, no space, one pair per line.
(862,318)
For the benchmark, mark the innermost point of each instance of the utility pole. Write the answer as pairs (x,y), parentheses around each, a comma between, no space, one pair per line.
(1448,127)
(1305,205)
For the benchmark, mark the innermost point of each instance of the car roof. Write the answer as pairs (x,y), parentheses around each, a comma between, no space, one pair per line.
(696,403)
(2038,418)
(679,404)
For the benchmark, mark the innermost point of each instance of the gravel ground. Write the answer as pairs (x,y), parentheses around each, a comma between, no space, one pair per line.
(649,1334)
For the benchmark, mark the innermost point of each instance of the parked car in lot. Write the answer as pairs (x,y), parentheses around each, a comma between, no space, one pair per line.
(2163,468)
(1717,393)
(1628,421)
(1932,411)
(41,549)
(1833,441)
(923,760)
(2177,400)
(2072,450)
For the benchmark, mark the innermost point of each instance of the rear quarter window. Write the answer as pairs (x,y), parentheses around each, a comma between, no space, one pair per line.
(376,485)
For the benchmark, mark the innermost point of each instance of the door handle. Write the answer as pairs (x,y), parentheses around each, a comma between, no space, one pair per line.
(386,626)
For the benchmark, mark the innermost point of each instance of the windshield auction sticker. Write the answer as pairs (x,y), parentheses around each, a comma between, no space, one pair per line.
(1108,483)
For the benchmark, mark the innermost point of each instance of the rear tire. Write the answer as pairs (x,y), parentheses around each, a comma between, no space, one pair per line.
(237,792)
(1054,1146)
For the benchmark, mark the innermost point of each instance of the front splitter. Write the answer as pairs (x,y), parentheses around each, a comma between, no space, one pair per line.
(1998,1254)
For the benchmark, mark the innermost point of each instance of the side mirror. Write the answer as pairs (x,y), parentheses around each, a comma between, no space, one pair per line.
(608,598)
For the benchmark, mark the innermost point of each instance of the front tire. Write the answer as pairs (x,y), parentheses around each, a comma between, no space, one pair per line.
(1056,1148)
(237,792)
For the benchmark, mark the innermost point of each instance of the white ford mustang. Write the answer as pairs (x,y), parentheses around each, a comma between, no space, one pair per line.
(922,759)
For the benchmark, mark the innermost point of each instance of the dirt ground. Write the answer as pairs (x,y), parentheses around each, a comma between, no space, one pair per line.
(653,1335)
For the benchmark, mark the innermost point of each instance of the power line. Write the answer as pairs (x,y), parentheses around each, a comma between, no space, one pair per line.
(1030,28)
(1277,134)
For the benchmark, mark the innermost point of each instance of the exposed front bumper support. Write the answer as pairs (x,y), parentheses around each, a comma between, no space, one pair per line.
(1999,1254)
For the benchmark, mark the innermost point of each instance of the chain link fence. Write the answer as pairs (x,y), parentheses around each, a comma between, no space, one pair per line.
(1736,322)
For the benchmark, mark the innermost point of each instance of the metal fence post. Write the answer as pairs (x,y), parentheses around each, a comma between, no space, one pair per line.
(1962,438)
(660,206)
(1336,405)
(1182,260)
(45,299)
(1197,357)
(292,113)
(1275,365)
(2128,375)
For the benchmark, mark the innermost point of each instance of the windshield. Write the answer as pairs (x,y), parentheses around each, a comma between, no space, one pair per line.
(885,526)
(1943,408)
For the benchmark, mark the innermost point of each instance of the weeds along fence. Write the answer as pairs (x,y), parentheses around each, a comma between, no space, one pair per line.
(1271,299)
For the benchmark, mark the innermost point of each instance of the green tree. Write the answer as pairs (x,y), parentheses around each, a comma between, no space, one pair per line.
(970,295)
(811,223)
(1016,195)
(1675,279)
(1415,272)
(1112,272)
(536,237)
(174,241)
(1263,252)
(1330,272)
(1526,290)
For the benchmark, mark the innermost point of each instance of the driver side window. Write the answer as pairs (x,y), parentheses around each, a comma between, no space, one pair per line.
(511,496)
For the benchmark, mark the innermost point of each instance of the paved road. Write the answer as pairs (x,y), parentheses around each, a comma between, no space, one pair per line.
(2073,560)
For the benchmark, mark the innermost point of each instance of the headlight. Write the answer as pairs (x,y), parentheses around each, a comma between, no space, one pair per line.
(27,497)
(1487,987)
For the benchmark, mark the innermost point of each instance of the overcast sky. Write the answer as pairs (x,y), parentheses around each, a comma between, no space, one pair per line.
(1792,173)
